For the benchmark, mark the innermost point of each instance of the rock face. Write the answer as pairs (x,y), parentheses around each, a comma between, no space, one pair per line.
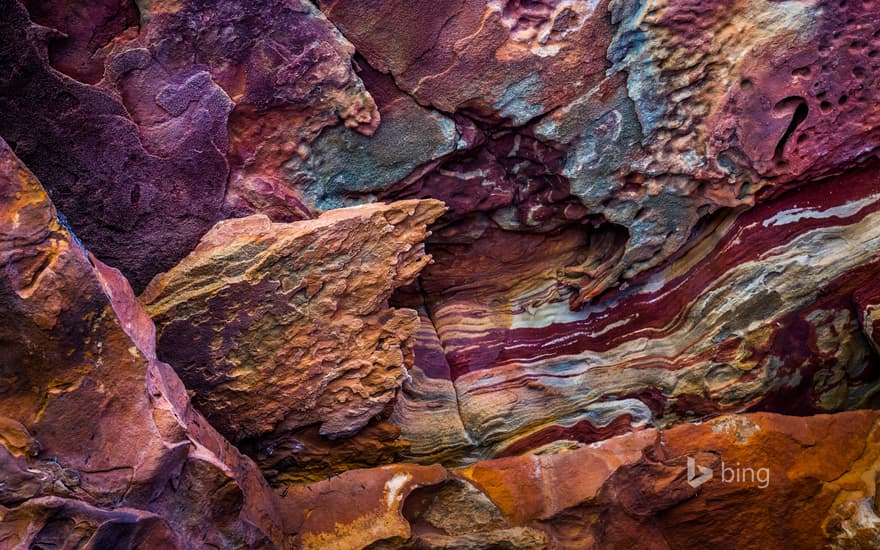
(450,274)
(101,446)
(627,491)
(279,326)
(140,160)
(728,326)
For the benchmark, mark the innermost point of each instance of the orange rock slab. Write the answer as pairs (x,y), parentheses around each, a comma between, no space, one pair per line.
(98,441)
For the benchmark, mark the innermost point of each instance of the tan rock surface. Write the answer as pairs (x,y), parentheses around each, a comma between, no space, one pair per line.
(279,326)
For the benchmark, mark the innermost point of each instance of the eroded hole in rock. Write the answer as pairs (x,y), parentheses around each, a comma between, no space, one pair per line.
(797,106)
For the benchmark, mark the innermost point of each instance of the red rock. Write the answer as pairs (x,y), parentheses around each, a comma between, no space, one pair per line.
(662,226)
(804,481)
(356,508)
(285,69)
(52,521)
(803,111)
(97,433)
(509,59)
(279,326)
(729,326)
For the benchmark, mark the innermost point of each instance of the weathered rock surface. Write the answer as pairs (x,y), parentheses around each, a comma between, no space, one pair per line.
(140,161)
(279,326)
(357,508)
(660,231)
(344,166)
(690,107)
(100,445)
(818,473)
(286,71)
(868,302)
(508,59)
(139,207)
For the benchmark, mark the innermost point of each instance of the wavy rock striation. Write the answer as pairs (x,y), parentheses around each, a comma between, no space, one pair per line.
(728,326)
(452,274)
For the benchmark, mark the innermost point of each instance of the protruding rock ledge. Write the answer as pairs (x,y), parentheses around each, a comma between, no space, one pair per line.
(98,442)
(279,326)
(777,480)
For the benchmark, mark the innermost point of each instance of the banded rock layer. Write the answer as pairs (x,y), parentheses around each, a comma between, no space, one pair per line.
(460,274)
(728,326)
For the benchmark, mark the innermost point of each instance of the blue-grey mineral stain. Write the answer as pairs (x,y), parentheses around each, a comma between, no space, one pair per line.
(345,167)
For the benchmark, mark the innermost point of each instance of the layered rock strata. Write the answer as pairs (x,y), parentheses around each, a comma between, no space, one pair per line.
(729,325)
(660,231)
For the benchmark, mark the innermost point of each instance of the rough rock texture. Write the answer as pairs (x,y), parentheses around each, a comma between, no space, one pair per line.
(202,95)
(343,162)
(100,443)
(684,111)
(357,508)
(287,74)
(508,59)
(659,242)
(279,326)
(629,491)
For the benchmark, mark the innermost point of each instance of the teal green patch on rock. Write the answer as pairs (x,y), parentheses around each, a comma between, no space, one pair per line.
(515,104)
(345,167)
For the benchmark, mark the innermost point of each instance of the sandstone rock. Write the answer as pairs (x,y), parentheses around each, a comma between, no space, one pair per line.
(344,167)
(426,410)
(304,455)
(100,443)
(868,300)
(511,59)
(683,113)
(139,205)
(54,522)
(276,327)
(627,491)
(285,69)
(729,326)
(661,230)
(82,30)
(645,499)
(357,508)
(140,160)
